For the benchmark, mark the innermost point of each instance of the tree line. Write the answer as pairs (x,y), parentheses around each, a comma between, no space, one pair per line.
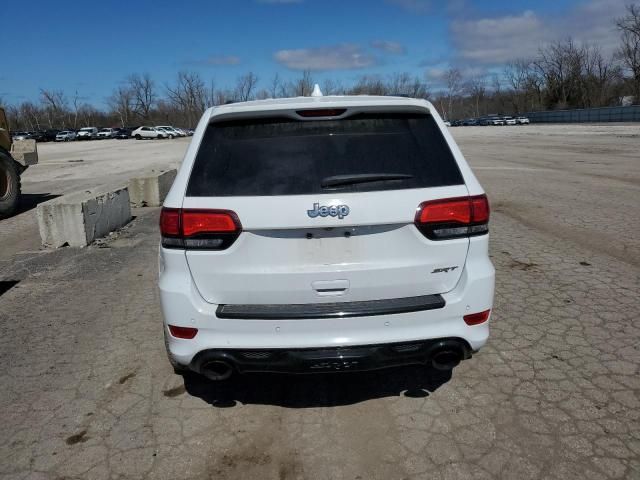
(563,74)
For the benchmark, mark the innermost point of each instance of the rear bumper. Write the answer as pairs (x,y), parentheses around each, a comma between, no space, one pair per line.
(182,305)
(316,360)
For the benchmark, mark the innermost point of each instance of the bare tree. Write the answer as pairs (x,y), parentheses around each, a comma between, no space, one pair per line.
(210,97)
(629,51)
(303,86)
(476,89)
(453,80)
(598,74)
(369,85)
(76,104)
(143,91)
(189,96)
(560,64)
(121,103)
(55,106)
(275,86)
(332,87)
(404,84)
(245,86)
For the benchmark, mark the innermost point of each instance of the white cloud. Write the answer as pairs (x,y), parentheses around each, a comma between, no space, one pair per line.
(336,57)
(435,74)
(388,46)
(221,60)
(496,40)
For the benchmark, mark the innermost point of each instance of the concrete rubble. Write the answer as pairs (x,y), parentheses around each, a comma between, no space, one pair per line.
(150,191)
(78,219)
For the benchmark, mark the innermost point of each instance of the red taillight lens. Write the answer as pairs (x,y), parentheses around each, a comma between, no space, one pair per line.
(477,318)
(170,221)
(453,217)
(198,229)
(202,221)
(480,209)
(446,211)
(183,332)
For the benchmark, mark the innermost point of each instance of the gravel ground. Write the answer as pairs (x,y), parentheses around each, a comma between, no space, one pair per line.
(87,391)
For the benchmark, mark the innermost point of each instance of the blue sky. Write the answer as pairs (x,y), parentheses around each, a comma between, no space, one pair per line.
(90,47)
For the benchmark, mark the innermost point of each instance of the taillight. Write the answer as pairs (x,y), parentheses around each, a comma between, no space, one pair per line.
(453,217)
(198,229)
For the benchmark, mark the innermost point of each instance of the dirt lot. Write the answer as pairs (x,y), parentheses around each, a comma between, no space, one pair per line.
(87,391)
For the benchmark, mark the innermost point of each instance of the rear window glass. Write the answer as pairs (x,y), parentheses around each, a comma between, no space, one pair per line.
(279,156)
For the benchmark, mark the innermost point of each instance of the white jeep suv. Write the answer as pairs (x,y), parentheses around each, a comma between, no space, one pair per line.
(315,234)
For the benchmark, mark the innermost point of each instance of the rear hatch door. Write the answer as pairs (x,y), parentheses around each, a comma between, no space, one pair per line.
(327,208)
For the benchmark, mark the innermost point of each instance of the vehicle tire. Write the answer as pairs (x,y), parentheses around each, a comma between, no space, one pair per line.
(170,137)
(159,137)
(9,186)
(177,368)
(138,137)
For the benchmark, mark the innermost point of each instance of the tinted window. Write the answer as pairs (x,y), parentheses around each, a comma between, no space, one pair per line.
(288,157)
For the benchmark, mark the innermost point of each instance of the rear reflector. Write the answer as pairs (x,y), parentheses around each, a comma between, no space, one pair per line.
(477,318)
(183,332)
(453,217)
(198,229)
(322,112)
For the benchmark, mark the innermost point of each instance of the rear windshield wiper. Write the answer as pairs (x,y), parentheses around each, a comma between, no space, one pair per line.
(340,180)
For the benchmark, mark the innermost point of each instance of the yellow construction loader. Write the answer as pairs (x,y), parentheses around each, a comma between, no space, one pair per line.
(15,157)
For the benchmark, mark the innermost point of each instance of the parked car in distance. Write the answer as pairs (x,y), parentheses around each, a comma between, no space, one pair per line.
(522,121)
(172,132)
(496,121)
(190,132)
(470,122)
(87,133)
(141,133)
(107,132)
(50,135)
(182,132)
(65,136)
(21,135)
(123,133)
(38,136)
(44,135)
(509,120)
(447,123)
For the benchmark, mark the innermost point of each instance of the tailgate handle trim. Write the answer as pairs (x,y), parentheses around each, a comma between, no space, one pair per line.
(330,287)
(330,310)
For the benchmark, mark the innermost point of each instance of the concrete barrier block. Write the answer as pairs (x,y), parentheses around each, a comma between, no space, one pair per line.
(150,191)
(80,218)
(25,152)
